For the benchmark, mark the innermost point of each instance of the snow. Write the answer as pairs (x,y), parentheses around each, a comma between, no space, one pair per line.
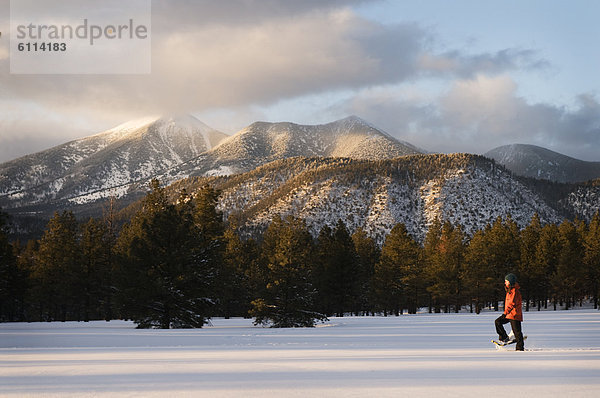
(420,355)
(220,171)
(128,127)
(471,196)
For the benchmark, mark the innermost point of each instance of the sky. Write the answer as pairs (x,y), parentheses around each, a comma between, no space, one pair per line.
(446,76)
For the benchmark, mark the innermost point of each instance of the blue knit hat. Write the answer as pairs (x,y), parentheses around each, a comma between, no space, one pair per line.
(512,278)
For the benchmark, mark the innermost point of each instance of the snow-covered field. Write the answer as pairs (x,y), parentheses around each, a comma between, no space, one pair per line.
(439,355)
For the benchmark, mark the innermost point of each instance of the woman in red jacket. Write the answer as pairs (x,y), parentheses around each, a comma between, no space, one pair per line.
(513,312)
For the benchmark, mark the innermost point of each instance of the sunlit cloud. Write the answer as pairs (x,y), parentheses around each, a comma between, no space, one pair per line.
(232,60)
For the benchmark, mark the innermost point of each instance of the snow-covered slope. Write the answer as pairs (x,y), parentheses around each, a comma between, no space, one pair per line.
(537,162)
(105,164)
(584,200)
(466,189)
(261,143)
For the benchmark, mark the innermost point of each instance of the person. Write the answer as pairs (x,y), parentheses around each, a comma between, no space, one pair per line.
(513,312)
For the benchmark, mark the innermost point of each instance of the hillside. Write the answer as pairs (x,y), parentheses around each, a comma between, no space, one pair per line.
(466,189)
(584,200)
(537,162)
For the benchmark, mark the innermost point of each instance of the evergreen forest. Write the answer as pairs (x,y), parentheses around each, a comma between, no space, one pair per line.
(176,264)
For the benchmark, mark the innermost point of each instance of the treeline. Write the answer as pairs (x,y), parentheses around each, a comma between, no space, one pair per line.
(179,264)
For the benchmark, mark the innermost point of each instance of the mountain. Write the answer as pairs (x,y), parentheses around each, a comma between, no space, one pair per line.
(351,137)
(82,174)
(345,170)
(537,162)
(469,190)
(104,164)
(262,142)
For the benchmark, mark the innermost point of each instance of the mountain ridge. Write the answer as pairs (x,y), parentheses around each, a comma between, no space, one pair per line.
(118,161)
(263,142)
(315,171)
(121,155)
(538,162)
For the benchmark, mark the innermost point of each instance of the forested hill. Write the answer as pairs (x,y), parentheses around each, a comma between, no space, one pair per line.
(465,189)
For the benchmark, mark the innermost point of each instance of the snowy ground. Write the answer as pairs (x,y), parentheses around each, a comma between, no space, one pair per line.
(421,355)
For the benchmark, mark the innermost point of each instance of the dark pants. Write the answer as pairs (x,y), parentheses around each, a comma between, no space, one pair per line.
(516,328)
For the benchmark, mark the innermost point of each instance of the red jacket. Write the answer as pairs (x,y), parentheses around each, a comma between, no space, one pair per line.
(513,303)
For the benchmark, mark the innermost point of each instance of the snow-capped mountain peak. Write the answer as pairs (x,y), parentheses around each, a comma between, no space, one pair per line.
(264,142)
(128,127)
(106,163)
(354,121)
(349,137)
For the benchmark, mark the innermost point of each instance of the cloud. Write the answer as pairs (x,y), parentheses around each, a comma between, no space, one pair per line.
(478,114)
(226,54)
(581,128)
(189,14)
(224,65)
(241,54)
(456,63)
(26,128)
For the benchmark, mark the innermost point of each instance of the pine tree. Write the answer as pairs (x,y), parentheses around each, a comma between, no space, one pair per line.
(96,247)
(430,251)
(12,280)
(528,276)
(209,245)
(166,263)
(236,273)
(479,278)
(547,257)
(26,261)
(57,273)
(288,299)
(444,266)
(109,242)
(321,277)
(368,255)
(581,290)
(503,252)
(413,276)
(591,258)
(338,265)
(256,271)
(397,274)
(568,273)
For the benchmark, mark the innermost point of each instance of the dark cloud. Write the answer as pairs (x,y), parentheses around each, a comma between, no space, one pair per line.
(579,130)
